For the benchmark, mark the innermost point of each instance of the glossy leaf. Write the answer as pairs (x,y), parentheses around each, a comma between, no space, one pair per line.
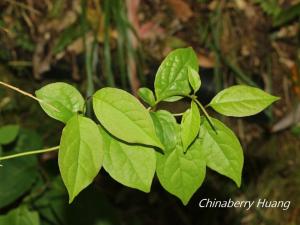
(80,154)
(147,96)
(20,216)
(222,149)
(241,100)
(8,134)
(61,100)
(194,79)
(166,128)
(124,117)
(172,76)
(182,174)
(190,125)
(131,165)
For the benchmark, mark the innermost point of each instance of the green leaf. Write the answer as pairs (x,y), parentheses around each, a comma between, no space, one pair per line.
(172,75)
(194,79)
(241,100)
(124,117)
(131,165)
(80,154)
(190,125)
(8,134)
(166,128)
(61,101)
(223,151)
(147,96)
(182,174)
(18,175)
(20,216)
(173,99)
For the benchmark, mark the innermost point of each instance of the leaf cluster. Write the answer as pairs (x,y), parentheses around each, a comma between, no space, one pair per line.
(133,143)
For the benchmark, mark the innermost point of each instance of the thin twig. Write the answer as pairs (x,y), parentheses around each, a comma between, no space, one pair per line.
(177,114)
(28,95)
(20,91)
(34,152)
(205,113)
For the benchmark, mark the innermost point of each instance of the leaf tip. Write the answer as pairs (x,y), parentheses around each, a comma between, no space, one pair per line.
(238,182)
(71,199)
(276,98)
(185,201)
(146,189)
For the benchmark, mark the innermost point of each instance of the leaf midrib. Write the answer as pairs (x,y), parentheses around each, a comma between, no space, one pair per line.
(241,101)
(222,152)
(128,118)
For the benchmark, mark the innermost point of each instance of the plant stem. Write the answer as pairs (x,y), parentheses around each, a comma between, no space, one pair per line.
(205,113)
(106,45)
(89,54)
(20,91)
(27,94)
(177,114)
(29,153)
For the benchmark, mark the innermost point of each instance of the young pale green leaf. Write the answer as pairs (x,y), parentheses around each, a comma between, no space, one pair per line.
(166,128)
(131,165)
(222,149)
(190,125)
(80,154)
(8,134)
(241,100)
(172,75)
(147,96)
(20,216)
(182,174)
(194,79)
(60,101)
(124,117)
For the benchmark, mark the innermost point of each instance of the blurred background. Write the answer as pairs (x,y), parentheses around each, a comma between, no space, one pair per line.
(120,43)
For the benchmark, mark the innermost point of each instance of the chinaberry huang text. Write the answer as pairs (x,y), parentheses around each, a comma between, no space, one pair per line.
(260,203)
